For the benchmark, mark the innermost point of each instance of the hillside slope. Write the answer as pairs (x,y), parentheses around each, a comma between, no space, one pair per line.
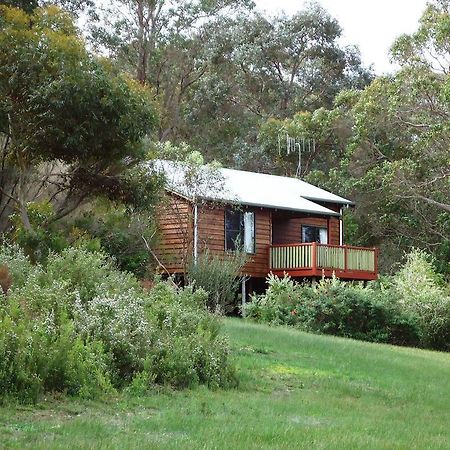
(296,391)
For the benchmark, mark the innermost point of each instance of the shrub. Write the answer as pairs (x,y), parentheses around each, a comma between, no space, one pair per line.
(278,304)
(82,327)
(18,264)
(334,307)
(90,273)
(219,276)
(120,232)
(45,236)
(108,226)
(120,323)
(188,339)
(422,291)
(41,355)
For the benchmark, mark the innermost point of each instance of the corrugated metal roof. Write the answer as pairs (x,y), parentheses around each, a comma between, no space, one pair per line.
(251,188)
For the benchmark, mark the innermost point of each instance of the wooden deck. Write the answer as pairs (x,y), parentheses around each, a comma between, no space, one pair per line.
(316,260)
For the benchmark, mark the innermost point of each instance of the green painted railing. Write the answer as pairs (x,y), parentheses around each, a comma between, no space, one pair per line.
(291,256)
(361,259)
(330,257)
(321,256)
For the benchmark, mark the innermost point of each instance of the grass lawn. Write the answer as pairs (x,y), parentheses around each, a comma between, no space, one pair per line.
(296,391)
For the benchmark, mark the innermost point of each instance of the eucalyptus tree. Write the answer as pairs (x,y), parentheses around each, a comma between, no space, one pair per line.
(403,124)
(162,43)
(265,68)
(217,68)
(392,146)
(70,127)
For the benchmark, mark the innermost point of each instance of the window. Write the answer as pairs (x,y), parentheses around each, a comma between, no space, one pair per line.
(314,234)
(240,230)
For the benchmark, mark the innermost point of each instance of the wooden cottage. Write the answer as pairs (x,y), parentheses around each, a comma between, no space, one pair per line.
(285,225)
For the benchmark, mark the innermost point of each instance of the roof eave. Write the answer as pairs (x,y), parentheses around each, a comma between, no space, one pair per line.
(342,201)
(257,205)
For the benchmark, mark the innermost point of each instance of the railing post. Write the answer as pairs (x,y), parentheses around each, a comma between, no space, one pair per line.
(345,258)
(375,260)
(314,255)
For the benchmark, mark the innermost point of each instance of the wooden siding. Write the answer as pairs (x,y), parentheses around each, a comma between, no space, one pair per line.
(211,229)
(287,227)
(175,233)
(211,235)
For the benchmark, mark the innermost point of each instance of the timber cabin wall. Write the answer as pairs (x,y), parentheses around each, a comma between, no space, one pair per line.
(287,227)
(282,227)
(211,235)
(175,232)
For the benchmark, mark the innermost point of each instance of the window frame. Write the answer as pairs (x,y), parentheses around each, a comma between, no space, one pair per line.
(241,229)
(318,228)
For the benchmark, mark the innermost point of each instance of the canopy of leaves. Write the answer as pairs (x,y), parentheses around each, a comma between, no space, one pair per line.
(395,158)
(66,111)
(218,69)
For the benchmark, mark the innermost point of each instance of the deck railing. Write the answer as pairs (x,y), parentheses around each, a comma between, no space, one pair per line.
(314,257)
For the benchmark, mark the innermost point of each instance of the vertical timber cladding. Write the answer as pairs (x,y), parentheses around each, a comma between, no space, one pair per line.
(175,238)
(278,227)
(287,227)
(211,235)
(333,231)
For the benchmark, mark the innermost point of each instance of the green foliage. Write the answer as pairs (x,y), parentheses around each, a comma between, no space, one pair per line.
(44,236)
(19,266)
(422,291)
(219,276)
(386,147)
(108,226)
(190,349)
(82,327)
(71,126)
(410,308)
(230,67)
(309,126)
(120,233)
(337,308)
(74,113)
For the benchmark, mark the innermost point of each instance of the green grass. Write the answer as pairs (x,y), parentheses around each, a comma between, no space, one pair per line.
(296,391)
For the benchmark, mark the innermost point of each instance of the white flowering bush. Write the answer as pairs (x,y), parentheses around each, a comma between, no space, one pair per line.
(420,290)
(90,273)
(82,327)
(119,322)
(19,266)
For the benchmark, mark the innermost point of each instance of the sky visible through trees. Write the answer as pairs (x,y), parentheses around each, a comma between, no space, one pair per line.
(373,26)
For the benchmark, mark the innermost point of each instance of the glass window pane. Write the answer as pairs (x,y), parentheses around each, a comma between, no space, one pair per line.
(309,234)
(314,234)
(233,229)
(323,235)
(249,232)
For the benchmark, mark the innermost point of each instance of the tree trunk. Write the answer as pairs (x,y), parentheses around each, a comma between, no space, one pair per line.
(141,67)
(22,205)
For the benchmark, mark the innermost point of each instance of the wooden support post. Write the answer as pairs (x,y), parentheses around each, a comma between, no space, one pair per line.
(375,260)
(314,256)
(244,295)
(345,258)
